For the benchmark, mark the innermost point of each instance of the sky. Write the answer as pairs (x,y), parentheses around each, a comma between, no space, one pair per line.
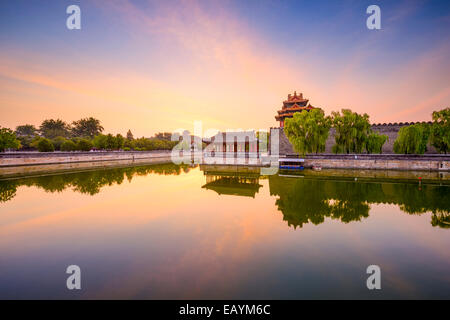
(153,66)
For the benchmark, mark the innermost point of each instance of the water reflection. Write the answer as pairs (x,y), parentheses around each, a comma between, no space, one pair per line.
(301,200)
(87,182)
(304,200)
(229,180)
(311,199)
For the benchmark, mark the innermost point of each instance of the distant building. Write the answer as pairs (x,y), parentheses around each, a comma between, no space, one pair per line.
(294,103)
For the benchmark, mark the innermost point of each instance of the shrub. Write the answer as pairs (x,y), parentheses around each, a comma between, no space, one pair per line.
(68,145)
(25,142)
(126,149)
(44,145)
(100,141)
(84,145)
(8,139)
(57,142)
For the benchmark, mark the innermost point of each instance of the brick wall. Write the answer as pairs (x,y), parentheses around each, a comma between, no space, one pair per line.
(390,129)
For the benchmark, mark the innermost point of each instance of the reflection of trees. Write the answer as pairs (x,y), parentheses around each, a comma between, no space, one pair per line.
(7,191)
(305,200)
(311,206)
(87,182)
(441,219)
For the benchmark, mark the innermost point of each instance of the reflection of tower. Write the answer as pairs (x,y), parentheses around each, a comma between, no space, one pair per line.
(232,180)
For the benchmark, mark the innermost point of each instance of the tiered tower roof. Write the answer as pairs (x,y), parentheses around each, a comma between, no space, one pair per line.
(294,103)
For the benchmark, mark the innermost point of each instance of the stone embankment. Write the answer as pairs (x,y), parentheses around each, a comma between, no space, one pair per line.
(429,162)
(41,158)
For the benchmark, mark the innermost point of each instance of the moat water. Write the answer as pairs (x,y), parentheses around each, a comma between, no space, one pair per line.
(181,232)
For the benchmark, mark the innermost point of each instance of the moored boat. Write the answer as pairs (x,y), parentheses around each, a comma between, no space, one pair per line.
(291,163)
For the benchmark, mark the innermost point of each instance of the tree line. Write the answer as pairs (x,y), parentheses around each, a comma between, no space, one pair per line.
(308,132)
(82,135)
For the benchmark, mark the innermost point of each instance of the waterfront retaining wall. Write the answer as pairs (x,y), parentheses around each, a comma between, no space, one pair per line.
(40,158)
(378,164)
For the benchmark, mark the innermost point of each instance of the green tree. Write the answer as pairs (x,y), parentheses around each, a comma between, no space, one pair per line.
(100,141)
(308,131)
(84,145)
(45,145)
(352,130)
(86,128)
(375,142)
(128,144)
(129,135)
(25,134)
(440,130)
(412,139)
(163,136)
(68,145)
(35,141)
(53,128)
(8,140)
(57,142)
(26,130)
(110,142)
(25,142)
(119,141)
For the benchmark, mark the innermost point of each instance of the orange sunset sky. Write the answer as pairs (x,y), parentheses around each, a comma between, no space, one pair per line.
(153,66)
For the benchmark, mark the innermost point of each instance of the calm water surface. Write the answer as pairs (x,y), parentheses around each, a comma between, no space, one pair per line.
(164,231)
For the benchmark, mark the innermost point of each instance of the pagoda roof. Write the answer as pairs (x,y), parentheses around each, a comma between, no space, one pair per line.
(294,103)
(295,98)
(294,108)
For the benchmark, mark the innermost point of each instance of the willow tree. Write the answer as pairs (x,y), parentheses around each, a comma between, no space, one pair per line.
(352,131)
(375,142)
(440,130)
(308,131)
(412,139)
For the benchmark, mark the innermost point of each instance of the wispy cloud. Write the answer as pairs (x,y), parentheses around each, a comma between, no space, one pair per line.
(196,60)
